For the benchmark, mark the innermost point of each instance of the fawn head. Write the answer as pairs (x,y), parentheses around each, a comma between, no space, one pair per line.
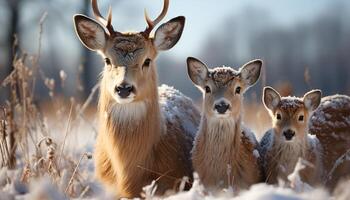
(129,71)
(223,87)
(290,115)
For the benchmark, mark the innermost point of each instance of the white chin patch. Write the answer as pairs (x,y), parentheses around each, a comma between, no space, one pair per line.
(288,141)
(127,100)
(222,116)
(128,111)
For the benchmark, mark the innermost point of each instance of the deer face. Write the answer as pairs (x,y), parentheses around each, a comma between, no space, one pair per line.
(223,87)
(290,114)
(129,73)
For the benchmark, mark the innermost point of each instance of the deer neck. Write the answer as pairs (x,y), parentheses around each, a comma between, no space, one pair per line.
(132,129)
(288,153)
(222,134)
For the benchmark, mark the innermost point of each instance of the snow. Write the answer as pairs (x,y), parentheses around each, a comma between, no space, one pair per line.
(173,104)
(266,143)
(249,134)
(331,114)
(255,192)
(256,153)
(296,183)
(313,141)
(290,102)
(177,108)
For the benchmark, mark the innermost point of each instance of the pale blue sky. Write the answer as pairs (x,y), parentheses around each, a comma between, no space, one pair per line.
(205,17)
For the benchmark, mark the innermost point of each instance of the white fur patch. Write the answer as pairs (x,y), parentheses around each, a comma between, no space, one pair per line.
(222,116)
(130,111)
(127,100)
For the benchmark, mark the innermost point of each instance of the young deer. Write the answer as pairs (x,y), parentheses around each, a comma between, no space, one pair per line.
(144,134)
(289,139)
(224,152)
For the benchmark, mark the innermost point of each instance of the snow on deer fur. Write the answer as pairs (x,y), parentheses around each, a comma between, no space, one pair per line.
(224,152)
(331,124)
(144,134)
(288,140)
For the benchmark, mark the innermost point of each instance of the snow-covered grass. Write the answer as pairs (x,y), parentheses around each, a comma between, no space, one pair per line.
(54,145)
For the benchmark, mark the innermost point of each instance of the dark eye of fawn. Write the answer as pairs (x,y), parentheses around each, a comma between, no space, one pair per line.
(108,62)
(238,90)
(207,89)
(301,118)
(279,117)
(147,62)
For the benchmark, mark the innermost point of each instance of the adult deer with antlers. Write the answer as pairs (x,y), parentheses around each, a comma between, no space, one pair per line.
(145,133)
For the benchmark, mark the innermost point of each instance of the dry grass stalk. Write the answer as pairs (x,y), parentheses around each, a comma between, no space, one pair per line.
(88,156)
(66,132)
(4,149)
(23,125)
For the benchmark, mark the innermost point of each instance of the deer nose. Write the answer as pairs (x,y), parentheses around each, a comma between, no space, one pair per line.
(289,134)
(124,90)
(221,107)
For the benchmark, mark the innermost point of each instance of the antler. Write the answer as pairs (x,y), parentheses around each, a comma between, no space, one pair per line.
(100,18)
(152,24)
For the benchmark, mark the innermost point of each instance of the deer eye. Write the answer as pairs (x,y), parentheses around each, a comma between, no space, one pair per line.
(207,89)
(301,118)
(147,62)
(278,116)
(108,61)
(238,90)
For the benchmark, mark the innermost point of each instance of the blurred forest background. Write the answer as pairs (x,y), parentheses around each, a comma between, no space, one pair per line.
(304,44)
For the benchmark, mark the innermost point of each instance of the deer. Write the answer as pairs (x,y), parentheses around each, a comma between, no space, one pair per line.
(225,152)
(290,137)
(146,133)
(331,124)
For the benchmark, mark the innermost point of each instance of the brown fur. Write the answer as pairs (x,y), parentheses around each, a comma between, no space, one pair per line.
(281,159)
(137,141)
(226,158)
(329,125)
(334,135)
(131,154)
(281,155)
(223,150)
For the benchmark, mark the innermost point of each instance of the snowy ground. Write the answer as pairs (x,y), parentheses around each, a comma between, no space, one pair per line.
(76,179)
(58,163)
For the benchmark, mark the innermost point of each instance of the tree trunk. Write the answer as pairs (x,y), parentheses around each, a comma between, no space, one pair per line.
(12,48)
(87,76)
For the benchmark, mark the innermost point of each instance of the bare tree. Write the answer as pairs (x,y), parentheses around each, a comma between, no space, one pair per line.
(86,57)
(13,22)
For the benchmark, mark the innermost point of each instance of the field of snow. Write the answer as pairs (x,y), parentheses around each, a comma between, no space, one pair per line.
(55,161)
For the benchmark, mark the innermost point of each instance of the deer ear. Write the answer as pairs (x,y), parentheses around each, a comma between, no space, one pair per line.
(250,72)
(197,71)
(312,99)
(271,98)
(169,33)
(90,32)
